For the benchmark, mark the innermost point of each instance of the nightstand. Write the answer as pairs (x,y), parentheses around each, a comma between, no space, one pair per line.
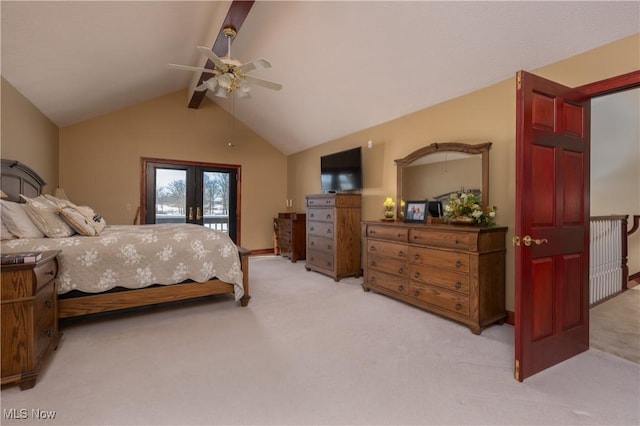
(29,312)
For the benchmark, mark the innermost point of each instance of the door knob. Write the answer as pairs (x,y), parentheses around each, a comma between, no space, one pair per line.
(527,240)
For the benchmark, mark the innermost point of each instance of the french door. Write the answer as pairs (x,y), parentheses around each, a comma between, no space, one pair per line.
(188,192)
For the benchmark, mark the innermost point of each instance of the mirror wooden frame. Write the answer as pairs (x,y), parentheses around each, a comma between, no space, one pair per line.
(478,149)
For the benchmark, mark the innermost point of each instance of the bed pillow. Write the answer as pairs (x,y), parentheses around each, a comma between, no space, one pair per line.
(98,221)
(42,213)
(77,221)
(5,234)
(14,216)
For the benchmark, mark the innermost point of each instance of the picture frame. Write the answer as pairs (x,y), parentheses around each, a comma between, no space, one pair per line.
(415,211)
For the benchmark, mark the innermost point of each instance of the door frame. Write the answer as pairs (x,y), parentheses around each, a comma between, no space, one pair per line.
(143,184)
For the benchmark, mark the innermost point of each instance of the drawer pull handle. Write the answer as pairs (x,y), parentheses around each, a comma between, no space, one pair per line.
(416,256)
(311,244)
(329,247)
(329,264)
(457,241)
(372,248)
(458,284)
(458,263)
(401,270)
(400,235)
(416,275)
(328,216)
(371,232)
(400,253)
(48,332)
(312,215)
(48,304)
(328,231)
(372,279)
(50,273)
(400,288)
(311,228)
(373,263)
(458,306)
(416,293)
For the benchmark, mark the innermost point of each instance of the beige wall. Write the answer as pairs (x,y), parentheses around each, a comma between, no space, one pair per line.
(28,136)
(100,159)
(484,115)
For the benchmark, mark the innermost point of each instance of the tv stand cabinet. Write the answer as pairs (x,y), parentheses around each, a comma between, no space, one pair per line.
(333,234)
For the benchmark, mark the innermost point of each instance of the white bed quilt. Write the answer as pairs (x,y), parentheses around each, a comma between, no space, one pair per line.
(136,256)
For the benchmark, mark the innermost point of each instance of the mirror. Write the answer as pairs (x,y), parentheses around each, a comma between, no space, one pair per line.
(434,171)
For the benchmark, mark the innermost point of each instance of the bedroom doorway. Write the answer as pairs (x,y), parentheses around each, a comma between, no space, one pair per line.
(187,192)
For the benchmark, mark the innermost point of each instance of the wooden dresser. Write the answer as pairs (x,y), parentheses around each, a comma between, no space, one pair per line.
(333,234)
(29,318)
(290,230)
(452,270)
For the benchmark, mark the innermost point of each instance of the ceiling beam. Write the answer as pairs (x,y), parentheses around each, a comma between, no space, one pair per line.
(238,11)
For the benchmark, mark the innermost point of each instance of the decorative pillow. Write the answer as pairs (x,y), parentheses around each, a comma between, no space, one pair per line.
(77,221)
(42,213)
(98,221)
(5,234)
(59,201)
(14,216)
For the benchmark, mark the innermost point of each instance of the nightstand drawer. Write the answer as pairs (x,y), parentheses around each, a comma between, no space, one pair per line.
(45,273)
(45,323)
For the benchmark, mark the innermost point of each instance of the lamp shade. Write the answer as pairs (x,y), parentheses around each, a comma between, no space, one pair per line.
(61,194)
(2,194)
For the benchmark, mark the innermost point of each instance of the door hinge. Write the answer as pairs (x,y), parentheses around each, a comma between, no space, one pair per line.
(516,370)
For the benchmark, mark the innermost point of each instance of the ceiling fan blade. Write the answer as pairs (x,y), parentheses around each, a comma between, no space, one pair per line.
(189,68)
(210,84)
(258,64)
(264,83)
(214,58)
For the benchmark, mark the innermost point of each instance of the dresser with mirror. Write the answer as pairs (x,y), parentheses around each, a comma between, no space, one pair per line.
(455,271)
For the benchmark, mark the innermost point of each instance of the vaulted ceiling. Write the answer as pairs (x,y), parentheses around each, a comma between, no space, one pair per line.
(344,65)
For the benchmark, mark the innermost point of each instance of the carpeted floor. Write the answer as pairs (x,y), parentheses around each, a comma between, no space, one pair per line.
(615,325)
(308,350)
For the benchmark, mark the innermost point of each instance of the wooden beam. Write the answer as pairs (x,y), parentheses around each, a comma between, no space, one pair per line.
(236,15)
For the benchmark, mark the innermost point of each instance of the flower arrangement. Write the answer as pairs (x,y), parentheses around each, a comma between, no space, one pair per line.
(465,204)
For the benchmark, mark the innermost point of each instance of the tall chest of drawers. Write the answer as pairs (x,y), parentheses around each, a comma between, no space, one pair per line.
(451,270)
(291,235)
(29,314)
(333,234)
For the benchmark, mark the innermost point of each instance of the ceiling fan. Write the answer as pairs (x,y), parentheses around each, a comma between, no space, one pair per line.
(229,74)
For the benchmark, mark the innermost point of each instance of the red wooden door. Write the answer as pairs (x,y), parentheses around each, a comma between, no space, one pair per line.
(552,224)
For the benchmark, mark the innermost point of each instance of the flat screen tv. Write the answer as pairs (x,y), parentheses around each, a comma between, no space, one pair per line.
(341,171)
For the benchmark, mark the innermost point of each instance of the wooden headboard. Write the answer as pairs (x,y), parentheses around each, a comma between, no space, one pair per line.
(19,179)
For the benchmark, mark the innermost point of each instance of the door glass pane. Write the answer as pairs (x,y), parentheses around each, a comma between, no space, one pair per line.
(171,198)
(215,200)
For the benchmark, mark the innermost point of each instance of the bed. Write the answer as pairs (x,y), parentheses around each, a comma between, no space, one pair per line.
(126,266)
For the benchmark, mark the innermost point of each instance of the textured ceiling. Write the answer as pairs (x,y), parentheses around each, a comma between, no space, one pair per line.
(345,66)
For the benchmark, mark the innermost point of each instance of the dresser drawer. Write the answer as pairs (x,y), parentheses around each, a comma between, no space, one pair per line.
(388,233)
(321,244)
(323,215)
(384,248)
(444,239)
(450,280)
(388,281)
(448,300)
(321,202)
(321,229)
(320,259)
(45,319)
(389,265)
(439,258)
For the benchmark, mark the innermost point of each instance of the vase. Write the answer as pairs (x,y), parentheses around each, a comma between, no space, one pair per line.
(463,220)
(388,214)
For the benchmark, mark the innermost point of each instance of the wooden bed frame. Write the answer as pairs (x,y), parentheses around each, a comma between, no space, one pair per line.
(19,179)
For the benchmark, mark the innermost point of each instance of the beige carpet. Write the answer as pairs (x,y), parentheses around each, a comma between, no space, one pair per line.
(615,325)
(308,350)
